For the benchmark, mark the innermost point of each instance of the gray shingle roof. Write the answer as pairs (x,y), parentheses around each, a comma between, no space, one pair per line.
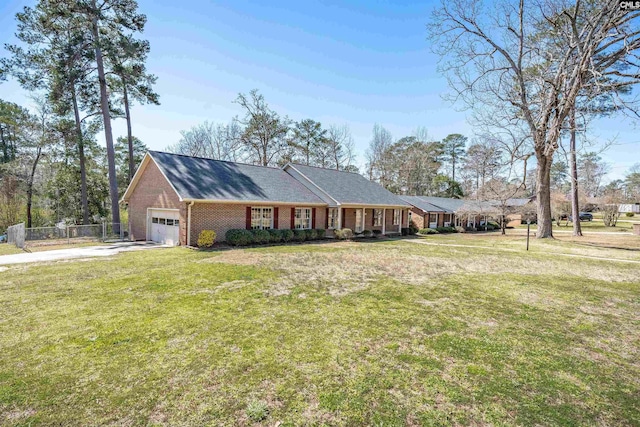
(422,204)
(449,205)
(205,179)
(349,187)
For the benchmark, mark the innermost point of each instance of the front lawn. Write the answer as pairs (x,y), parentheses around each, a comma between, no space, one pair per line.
(443,330)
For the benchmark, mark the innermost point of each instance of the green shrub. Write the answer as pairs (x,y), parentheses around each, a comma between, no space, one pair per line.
(287,235)
(206,238)
(428,231)
(629,214)
(445,229)
(366,233)
(321,233)
(261,236)
(460,229)
(312,234)
(343,234)
(377,233)
(275,236)
(239,237)
(409,231)
(299,235)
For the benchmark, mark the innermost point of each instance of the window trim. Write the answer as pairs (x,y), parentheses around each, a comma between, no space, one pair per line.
(261,217)
(297,220)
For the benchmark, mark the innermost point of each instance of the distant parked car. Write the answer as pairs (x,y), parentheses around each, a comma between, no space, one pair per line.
(3,238)
(584,216)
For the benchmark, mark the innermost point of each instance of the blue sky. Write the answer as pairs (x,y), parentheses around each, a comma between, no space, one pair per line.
(355,63)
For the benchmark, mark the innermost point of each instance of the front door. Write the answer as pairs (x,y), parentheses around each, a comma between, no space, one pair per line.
(358,227)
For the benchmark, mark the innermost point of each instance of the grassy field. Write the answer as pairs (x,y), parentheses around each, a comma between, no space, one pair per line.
(442,330)
(623,225)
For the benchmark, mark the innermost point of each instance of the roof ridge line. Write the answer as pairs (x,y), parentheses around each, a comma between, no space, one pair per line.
(213,160)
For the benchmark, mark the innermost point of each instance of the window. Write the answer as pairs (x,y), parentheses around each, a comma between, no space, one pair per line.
(154,220)
(162,221)
(377,217)
(176,222)
(169,221)
(396,216)
(303,218)
(433,217)
(333,218)
(261,218)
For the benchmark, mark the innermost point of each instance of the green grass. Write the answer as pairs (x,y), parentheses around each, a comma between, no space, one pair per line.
(376,333)
(623,225)
(6,249)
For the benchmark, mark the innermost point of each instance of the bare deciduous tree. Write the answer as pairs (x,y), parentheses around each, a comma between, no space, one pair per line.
(526,63)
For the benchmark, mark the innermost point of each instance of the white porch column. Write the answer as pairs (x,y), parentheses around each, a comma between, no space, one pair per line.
(339,218)
(384,221)
(400,222)
(364,211)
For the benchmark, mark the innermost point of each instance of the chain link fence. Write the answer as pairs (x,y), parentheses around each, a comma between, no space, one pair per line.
(61,234)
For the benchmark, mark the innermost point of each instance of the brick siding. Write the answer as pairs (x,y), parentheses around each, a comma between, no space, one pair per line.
(222,217)
(152,191)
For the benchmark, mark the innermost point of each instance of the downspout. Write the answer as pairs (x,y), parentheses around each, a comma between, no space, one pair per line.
(189,222)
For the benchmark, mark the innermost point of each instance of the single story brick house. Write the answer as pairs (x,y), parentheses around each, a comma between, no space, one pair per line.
(432,212)
(173,197)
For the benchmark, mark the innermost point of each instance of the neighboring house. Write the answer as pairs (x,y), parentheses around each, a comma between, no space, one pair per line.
(172,198)
(432,212)
(629,208)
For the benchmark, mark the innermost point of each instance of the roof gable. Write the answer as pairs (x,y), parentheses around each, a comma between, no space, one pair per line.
(196,178)
(347,187)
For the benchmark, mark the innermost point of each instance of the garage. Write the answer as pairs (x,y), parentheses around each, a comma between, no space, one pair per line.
(164,226)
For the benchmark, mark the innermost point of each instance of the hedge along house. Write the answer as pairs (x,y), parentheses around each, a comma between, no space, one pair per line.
(353,201)
(172,198)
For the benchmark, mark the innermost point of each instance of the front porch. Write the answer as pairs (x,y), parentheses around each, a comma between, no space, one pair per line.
(384,220)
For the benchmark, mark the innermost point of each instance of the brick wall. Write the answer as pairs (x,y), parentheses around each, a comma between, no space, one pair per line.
(222,217)
(152,191)
(419,218)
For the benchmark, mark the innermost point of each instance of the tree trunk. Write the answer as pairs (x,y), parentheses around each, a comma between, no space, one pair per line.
(83,170)
(4,146)
(575,206)
(106,116)
(543,196)
(132,163)
(30,185)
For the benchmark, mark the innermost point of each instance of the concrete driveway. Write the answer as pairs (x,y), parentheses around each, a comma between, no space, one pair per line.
(74,253)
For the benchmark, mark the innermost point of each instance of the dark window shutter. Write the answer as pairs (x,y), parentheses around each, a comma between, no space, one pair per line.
(248,218)
(373,217)
(293,218)
(313,217)
(326,220)
(343,222)
(402,220)
(275,218)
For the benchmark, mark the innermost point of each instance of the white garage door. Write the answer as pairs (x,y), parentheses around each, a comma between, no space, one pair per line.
(165,226)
